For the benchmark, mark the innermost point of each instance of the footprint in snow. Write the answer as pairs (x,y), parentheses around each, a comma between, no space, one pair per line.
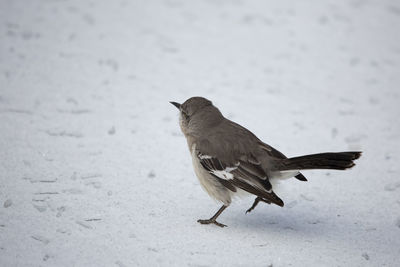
(7,203)
(392,186)
(398,222)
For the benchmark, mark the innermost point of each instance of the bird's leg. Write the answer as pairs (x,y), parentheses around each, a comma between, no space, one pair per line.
(258,199)
(213,219)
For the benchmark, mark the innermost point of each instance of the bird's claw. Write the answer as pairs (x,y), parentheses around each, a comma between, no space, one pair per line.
(209,221)
(249,210)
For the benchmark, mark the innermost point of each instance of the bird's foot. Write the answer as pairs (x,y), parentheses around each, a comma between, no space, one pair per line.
(258,199)
(254,205)
(250,209)
(209,221)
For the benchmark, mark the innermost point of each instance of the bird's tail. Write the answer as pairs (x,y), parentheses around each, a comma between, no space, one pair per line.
(330,160)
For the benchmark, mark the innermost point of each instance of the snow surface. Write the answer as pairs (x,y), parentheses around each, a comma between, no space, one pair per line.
(95,172)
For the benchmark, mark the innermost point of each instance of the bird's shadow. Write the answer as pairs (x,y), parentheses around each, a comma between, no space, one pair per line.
(297,221)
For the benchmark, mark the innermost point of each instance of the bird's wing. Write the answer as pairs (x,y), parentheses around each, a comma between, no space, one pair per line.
(245,175)
(236,142)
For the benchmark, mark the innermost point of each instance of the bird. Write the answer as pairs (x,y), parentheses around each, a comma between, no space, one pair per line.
(230,160)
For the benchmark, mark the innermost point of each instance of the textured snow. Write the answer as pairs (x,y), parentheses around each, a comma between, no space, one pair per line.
(94,170)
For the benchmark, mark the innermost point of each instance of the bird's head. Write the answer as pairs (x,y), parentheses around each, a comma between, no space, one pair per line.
(196,113)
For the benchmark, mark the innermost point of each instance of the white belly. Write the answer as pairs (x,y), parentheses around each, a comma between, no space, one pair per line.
(209,183)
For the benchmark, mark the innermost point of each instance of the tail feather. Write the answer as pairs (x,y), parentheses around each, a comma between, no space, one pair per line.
(330,160)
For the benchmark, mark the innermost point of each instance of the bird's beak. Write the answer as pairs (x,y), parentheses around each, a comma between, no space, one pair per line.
(177,105)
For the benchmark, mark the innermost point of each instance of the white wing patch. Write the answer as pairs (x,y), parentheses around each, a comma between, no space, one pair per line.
(224,174)
(201,156)
(216,167)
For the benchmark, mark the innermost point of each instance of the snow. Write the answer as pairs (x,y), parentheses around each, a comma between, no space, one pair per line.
(94,170)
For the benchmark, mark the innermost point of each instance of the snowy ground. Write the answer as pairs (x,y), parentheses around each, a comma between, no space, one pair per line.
(95,172)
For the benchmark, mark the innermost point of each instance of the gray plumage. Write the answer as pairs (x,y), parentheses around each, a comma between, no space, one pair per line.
(229,159)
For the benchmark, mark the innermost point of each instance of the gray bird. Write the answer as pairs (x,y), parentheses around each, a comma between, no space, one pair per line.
(228,159)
